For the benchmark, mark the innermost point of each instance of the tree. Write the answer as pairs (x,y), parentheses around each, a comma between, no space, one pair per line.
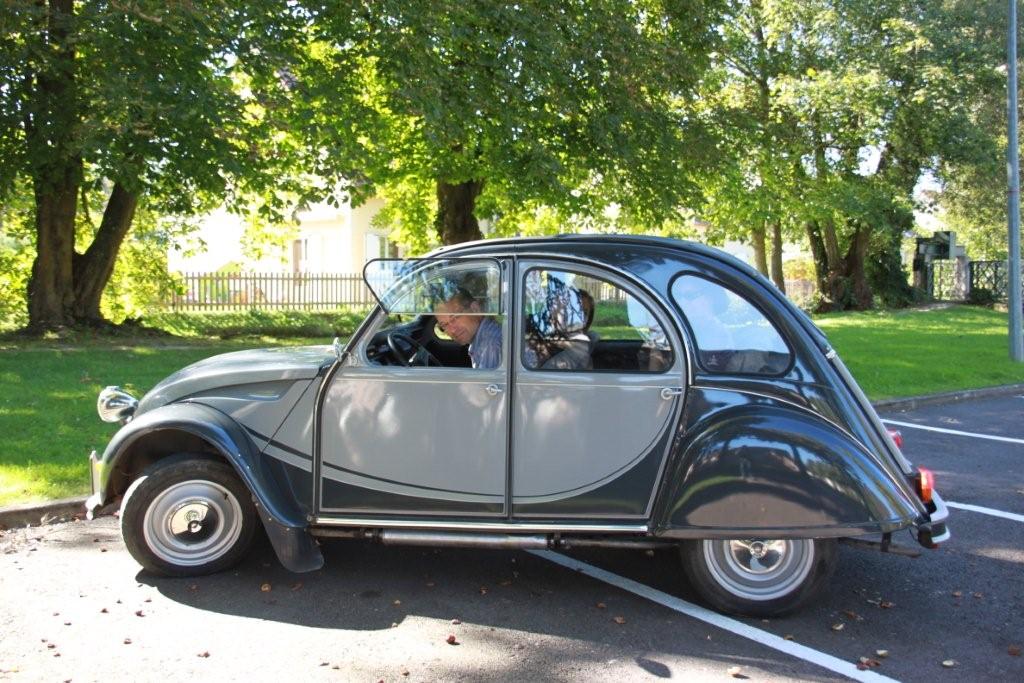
(444,107)
(841,107)
(974,181)
(167,101)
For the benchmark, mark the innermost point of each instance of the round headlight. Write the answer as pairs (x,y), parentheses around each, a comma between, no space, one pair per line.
(116,405)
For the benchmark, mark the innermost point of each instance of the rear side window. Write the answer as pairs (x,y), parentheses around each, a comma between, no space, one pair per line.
(732,335)
(576,322)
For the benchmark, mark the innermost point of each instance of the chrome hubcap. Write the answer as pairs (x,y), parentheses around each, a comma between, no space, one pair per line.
(759,569)
(192,523)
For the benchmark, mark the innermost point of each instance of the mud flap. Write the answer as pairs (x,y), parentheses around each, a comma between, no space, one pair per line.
(294,546)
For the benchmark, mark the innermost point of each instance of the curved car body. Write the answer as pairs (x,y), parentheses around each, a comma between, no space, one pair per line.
(636,392)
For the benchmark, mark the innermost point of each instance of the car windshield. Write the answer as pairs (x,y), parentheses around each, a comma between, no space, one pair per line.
(421,286)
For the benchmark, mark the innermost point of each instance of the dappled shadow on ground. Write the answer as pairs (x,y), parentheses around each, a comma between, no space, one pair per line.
(514,595)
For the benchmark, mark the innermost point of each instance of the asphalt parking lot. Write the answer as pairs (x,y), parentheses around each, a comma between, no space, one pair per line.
(76,607)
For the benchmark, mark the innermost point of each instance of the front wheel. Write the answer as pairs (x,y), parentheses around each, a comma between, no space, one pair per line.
(187,516)
(759,577)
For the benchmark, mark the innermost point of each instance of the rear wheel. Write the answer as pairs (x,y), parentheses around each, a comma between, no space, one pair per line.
(187,516)
(759,577)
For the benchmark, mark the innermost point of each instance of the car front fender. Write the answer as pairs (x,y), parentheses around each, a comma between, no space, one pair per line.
(779,470)
(194,427)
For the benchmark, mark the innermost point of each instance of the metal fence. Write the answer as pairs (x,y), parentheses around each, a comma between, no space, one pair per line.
(993,276)
(245,291)
(945,282)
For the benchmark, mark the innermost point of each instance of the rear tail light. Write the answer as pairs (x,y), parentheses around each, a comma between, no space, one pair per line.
(897,437)
(924,482)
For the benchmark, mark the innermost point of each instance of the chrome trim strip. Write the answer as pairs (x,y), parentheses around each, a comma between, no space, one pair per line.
(479,526)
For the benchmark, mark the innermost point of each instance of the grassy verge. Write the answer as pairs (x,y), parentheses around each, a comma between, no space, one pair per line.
(48,388)
(914,352)
(48,407)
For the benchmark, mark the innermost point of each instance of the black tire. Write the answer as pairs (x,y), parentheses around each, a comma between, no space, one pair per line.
(188,515)
(758,577)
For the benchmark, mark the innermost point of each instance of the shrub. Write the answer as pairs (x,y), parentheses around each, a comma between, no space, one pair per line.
(284,323)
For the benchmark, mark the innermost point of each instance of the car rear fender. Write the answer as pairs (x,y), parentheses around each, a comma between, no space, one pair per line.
(758,469)
(194,427)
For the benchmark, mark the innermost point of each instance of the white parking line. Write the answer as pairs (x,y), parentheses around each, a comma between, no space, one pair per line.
(990,437)
(771,640)
(986,511)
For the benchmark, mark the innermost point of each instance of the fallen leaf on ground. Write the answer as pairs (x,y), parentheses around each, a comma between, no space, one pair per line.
(788,636)
(868,663)
(949,663)
(619,620)
(127,641)
(735,672)
(838,627)
(483,590)
(451,639)
(853,615)
(139,613)
(456,621)
(601,605)
(265,588)
(1013,651)
(882,653)
(404,672)
(506,582)
(297,586)
(957,594)
(977,595)
(885,604)
(203,654)
(396,603)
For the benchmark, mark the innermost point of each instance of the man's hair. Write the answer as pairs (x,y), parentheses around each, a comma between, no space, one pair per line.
(462,297)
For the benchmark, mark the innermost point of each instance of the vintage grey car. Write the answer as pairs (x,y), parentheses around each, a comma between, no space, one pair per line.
(602,391)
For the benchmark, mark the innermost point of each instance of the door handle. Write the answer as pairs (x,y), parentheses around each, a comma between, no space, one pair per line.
(493,389)
(669,393)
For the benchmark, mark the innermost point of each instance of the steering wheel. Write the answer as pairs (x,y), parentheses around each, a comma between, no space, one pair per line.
(398,354)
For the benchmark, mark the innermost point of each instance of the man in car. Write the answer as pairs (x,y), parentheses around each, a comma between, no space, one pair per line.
(461,319)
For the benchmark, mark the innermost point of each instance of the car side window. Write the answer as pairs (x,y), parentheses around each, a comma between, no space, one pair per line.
(732,335)
(577,322)
(441,313)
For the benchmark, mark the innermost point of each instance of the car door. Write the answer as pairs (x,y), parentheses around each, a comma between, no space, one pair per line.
(599,377)
(417,440)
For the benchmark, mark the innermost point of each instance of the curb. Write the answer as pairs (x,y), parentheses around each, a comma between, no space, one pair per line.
(913,402)
(33,514)
(36,514)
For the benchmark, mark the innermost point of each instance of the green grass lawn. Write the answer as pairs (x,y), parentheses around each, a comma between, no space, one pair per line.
(48,389)
(48,404)
(914,352)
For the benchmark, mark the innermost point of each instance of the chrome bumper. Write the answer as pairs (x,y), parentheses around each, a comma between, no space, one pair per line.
(95,501)
(933,532)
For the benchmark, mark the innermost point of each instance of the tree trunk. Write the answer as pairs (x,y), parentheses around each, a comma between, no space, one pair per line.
(818,254)
(777,277)
(56,173)
(92,270)
(854,267)
(760,252)
(456,221)
(51,286)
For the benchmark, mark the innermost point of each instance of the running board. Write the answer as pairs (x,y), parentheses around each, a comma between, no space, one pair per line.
(456,539)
